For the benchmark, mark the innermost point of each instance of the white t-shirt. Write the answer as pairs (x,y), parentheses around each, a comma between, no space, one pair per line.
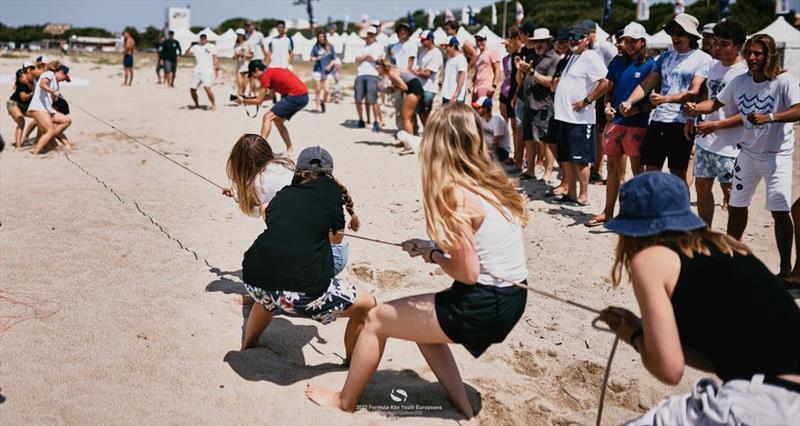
(430,60)
(281,48)
(256,41)
(578,79)
(272,179)
(368,67)
(497,126)
(453,66)
(677,72)
(41,100)
(403,52)
(606,50)
(204,54)
(723,141)
(766,97)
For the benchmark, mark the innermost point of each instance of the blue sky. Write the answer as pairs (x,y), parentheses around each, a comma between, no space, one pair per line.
(114,15)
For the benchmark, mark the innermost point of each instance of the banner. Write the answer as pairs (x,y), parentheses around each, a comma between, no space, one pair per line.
(464,16)
(520,13)
(472,13)
(606,13)
(346,23)
(410,20)
(494,15)
(179,18)
(642,10)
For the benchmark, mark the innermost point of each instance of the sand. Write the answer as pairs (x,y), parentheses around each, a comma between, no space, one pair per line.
(107,317)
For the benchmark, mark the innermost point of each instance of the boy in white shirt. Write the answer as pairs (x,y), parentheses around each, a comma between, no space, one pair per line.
(454,87)
(496,130)
(206,69)
(429,64)
(281,49)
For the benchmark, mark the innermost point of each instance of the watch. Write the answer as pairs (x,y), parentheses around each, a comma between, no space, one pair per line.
(587,101)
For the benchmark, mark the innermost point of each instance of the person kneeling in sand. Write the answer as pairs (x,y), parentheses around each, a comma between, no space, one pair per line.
(291,268)
(294,97)
(476,216)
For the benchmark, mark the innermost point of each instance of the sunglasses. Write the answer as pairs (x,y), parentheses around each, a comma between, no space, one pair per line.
(575,37)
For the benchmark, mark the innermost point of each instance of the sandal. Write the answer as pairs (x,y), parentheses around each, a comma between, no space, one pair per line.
(596,221)
(552,193)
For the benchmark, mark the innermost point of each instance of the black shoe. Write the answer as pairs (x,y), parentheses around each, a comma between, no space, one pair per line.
(322,104)
(361,124)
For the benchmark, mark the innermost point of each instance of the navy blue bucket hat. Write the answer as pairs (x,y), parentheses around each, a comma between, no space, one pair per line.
(652,203)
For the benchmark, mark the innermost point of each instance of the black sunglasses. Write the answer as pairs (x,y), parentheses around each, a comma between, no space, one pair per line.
(575,37)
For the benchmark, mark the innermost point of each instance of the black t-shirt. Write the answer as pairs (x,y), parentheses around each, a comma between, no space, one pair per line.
(20,88)
(294,253)
(160,50)
(170,50)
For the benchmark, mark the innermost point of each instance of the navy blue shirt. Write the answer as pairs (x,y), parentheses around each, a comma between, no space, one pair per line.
(626,76)
(327,55)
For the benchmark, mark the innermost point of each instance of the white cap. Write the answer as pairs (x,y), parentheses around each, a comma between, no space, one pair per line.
(27,64)
(240,31)
(540,34)
(635,31)
(41,59)
(372,30)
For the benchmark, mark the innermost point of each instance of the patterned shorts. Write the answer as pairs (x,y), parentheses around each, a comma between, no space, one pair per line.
(710,165)
(326,308)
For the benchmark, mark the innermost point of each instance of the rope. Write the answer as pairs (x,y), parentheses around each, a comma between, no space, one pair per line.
(607,373)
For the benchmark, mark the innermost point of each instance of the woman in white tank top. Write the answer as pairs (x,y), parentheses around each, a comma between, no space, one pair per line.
(474,217)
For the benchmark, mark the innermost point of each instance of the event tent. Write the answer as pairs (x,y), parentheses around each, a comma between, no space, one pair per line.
(493,41)
(464,36)
(225,44)
(439,36)
(337,42)
(209,33)
(659,40)
(185,38)
(352,45)
(788,37)
(302,46)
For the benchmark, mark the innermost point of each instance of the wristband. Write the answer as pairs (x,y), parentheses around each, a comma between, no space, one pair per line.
(771,117)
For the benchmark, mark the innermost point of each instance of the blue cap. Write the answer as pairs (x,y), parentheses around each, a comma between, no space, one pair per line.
(483,102)
(65,70)
(453,42)
(652,203)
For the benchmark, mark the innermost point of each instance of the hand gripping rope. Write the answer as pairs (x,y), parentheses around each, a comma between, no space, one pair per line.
(198,258)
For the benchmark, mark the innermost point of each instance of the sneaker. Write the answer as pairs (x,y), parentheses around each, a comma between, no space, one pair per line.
(361,124)
(375,127)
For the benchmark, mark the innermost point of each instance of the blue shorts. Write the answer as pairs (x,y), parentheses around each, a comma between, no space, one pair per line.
(575,143)
(324,308)
(710,165)
(341,252)
(127,61)
(289,105)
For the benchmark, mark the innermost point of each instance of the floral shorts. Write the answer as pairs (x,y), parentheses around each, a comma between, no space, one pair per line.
(326,308)
(710,165)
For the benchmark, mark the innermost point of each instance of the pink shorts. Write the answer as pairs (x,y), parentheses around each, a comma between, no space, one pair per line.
(619,139)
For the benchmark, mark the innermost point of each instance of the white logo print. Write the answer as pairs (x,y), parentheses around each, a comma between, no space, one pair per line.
(398,395)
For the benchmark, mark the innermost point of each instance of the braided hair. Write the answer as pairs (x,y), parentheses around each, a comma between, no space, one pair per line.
(303,176)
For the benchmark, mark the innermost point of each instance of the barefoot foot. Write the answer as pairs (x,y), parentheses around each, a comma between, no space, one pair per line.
(324,397)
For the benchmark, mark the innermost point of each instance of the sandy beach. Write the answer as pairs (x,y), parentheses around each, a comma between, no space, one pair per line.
(120,307)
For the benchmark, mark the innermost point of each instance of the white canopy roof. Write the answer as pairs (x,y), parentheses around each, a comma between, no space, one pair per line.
(225,43)
(493,41)
(659,40)
(185,38)
(210,34)
(601,34)
(439,36)
(464,36)
(782,31)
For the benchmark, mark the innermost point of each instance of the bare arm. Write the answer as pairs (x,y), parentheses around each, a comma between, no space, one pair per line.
(498,73)
(787,116)
(411,60)
(679,98)
(462,77)
(649,83)
(397,82)
(44,84)
(470,51)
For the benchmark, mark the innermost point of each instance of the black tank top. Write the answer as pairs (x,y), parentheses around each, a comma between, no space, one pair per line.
(738,315)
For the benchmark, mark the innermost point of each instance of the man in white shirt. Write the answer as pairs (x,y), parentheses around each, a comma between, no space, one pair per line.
(257,44)
(429,64)
(496,130)
(404,53)
(454,86)
(206,69)
(768,99)
(715,149)
(366,84)
(281,49)
(581,83)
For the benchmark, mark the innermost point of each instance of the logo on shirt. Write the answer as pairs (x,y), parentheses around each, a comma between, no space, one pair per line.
(756,104)
(715,86)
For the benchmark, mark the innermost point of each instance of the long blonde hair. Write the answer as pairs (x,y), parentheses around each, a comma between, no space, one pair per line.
(249,156)
(772,65)
(453,155)
(687,243)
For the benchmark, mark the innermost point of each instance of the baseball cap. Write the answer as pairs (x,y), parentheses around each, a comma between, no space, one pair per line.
(453,42)
(372,30)
(541,34)
(480,36)
(402,26)
(427,35)
(528,27)
(634,30)
(240,31)
(65,70)
(315,158)
(483,102)
(578,31)
(41,59)
(709,28)
(562,34)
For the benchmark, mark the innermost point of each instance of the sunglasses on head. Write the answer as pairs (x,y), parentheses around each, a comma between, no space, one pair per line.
(575,37)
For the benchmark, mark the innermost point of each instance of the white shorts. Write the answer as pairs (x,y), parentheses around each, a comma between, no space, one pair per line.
(320,76)
(205,79)
(777,173)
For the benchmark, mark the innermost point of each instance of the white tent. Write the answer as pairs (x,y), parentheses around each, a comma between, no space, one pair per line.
(600,33)
(383,39)
(210,34)
(493,41)
(185,38)
(788,37)
(302,46)
(392,39)
(659,40)
(337,42)
(464,36)
(225,44)
(439,36)
(352,45)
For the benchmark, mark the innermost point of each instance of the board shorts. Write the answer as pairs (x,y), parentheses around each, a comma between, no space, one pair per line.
(205,79)
(619,139)
(324,308)
(288,106)
(666,141)
(746,402)
(535,123)
(169,66)
(426,105)
(777,173)
(320,76)
(366,86)
(710,165)
(575,143)
(505,100)
(415,88)
(478,316)
(127,61)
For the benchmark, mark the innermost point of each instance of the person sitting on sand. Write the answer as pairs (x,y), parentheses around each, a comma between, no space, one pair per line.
(41,107)
(294,97)
(411,88)
(707,302)
(475,216)
(290,266)
(496,130)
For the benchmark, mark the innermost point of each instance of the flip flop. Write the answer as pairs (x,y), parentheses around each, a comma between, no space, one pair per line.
(551,193)
(565,199)
(593,222)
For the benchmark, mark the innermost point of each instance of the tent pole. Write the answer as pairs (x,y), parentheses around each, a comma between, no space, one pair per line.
(505,16)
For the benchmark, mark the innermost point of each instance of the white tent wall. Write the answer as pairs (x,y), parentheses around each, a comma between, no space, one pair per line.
(788,38)
(225,44)
(659,40)
(464,36)
(352,45)
(493,41)
(185,38)
(210,34)
(601,34)
(337,42)
(439,36)
(302,46)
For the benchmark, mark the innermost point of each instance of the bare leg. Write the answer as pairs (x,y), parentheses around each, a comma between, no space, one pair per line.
(317,89)
(407,111)
(357,314)
(705,199)
(571,179)
(32,125)
(19,119)
(612,189)
(211,98)
(440,360)
(360,110)
(279,123)
(266,125)
(583,178)
(784,233)
(257,322)
(44,120)
(737,221)
(636,166)
(378,115)
(193,92)
(530,158)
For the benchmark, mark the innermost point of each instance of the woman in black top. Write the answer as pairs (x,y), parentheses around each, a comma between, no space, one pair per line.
(17,104)
(707,302)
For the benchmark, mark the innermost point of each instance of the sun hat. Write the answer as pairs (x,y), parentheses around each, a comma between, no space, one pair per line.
(708,29)
(240,31)
(635,31)
(65,70)
(315,158)
(540,34)
(483,102)
(686,22)
(652,203)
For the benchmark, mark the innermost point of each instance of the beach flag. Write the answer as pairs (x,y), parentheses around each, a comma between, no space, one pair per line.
(494,15)
(520,13)
(782,7)
(448,15)
(606,13)
(642,10)
(464,16)
(346,23)
(472,13)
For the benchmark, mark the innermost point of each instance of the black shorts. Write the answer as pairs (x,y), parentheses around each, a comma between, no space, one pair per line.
(600,114)
(415,88)
(666,141)
(505,100)
(575,143)
(478,316)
